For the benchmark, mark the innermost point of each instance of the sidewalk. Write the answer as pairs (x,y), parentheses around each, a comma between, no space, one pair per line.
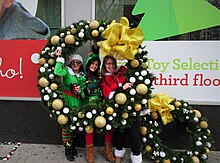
(47,153)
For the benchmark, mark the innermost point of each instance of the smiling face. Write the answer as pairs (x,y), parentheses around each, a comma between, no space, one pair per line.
(75,65)
(93,66)
(110,66)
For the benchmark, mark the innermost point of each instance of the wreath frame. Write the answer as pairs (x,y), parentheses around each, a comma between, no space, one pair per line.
(196,127)
(83,121)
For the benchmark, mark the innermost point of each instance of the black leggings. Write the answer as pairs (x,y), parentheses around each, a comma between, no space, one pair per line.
(132,134)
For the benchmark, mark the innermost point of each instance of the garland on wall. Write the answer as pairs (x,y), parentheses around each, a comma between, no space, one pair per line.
(126,106)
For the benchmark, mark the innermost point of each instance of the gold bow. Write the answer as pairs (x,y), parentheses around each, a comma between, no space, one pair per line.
(161,103)
(121,41)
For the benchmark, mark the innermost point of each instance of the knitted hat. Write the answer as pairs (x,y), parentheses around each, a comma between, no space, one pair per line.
(77,57)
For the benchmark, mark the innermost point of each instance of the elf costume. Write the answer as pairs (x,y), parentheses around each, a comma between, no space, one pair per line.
(73,100)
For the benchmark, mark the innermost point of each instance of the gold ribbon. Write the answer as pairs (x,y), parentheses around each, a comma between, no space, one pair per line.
(121,42)
(161,103)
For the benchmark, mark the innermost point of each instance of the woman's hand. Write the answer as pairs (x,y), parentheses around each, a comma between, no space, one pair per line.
(127,85)
(58,53)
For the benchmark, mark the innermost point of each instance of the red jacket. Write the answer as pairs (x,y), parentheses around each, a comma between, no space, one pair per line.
(111,82)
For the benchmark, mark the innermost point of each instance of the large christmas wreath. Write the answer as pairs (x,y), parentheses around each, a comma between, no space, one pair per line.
(126,106)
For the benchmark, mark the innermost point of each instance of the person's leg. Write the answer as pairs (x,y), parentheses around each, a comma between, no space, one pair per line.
(66,137)
(119,146)
(89,148)
(135,143)
(107,151)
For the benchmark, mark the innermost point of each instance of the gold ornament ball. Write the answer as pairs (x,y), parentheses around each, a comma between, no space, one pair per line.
(73,30)
(125,115)
(207,150)
(53,86)
(62,119)
(109,110)
(94,24)
(95,33)
(177,103)
(43,82)
(100,121)
(144,65)
(166,161)
(69,39)
(120,98)
(134,63)
(141,89)
(89,129)
(42,61)
(195,159)
(203,124)
(148,148)
(57,104)
(55,40)
(154,115)
(143,130)
(51,62)
(81,114)
(197,113)
(137,107)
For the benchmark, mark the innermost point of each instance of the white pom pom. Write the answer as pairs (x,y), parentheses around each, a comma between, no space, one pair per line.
(74,119)
(147,81)
(108,127)
(81,34)
(42,69)
(94,111)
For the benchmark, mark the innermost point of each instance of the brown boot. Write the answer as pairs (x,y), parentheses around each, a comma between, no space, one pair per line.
(107,152)
(90,153)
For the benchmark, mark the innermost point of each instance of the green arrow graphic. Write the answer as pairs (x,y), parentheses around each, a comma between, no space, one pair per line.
(166,18)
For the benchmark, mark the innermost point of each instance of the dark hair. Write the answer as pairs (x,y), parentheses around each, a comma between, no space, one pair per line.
(94,74)
(106,58)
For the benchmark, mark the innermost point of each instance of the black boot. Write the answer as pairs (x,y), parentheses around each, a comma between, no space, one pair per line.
(74,150)
(68,152)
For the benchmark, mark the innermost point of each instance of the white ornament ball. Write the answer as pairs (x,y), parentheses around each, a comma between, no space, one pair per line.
(81,34)
(58,112)
(108,127)
(144,101)
(144,140)
(42,69)
(123,122)
(102,113)
(80,128)
(85,123)
(140,50)
(162,154)
(94,111)
(140,78)
(196,119)
(110,118)
(46,97)
(77,43)
(101,29)
(132,91)
(129,107)
(89,115)
(136,73)
(74,119)
(114,114)
(144,72)
(66,110)
(72,127)
(63,45)
(150,136)
(51,76)
(132,80)
(54,95)
(147,81)
(198,143)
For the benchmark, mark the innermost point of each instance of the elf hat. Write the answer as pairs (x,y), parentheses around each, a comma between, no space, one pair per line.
(76,57)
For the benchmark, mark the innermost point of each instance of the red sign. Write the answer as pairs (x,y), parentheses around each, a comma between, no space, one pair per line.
(19,68)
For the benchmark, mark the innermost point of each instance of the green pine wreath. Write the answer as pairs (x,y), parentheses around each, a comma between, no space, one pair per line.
(111,114)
